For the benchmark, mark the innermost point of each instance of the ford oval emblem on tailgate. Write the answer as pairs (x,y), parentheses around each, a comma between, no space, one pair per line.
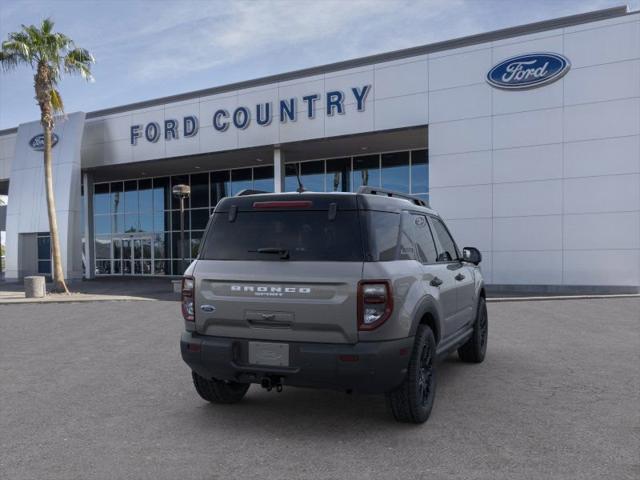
(207,308)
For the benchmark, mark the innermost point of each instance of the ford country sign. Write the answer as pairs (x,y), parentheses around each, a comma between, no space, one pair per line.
(528,71)
(37,142)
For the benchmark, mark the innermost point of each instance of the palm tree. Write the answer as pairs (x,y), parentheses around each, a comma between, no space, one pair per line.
(50,55)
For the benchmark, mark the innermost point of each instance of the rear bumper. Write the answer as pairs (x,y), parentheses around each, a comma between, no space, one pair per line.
(369,367)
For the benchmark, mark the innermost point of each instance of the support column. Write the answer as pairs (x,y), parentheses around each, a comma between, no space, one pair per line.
(278,170)
(87,204)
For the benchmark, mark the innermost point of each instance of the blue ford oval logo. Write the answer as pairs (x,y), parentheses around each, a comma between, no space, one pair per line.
(528,71)
(37,142)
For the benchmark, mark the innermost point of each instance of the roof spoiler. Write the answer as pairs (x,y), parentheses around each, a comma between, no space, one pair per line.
(390,193)
(248,191)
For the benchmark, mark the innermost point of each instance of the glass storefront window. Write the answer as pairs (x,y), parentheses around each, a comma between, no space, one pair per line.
(263,179)
(241,179)
(160,245)
(419,171)
(312,176)
(103,247)
(146,222)
(102,224)
(131,203)
(161,221)
(101,199)
(145,195)
(131,223)
(44,253)
(144,210)
(338,175)
(290,177)
(175,220)
(199,218)
(219,186)
(200,190)
(395,171)
(161,194)
(366,171)
(44,247)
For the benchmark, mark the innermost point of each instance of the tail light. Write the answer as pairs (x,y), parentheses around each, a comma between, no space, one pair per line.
(188,308)
(375,303)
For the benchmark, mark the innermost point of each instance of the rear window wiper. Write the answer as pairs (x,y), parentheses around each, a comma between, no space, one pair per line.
(283,252)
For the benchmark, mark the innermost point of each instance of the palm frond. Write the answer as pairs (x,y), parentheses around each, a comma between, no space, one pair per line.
(79,61)
(47,26)
(56,101)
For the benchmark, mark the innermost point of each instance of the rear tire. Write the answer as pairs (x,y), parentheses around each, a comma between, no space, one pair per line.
(413,400)
(475,349)
(218,391)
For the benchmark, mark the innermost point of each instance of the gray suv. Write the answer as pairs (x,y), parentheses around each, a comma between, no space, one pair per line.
(358,292)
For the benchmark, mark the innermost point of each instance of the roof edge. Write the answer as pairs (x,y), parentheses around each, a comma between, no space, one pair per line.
(469,40)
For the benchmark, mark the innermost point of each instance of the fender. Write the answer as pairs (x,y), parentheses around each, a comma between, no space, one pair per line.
(428,305)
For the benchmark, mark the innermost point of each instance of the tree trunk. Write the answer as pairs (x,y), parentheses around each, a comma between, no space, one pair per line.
(59,284)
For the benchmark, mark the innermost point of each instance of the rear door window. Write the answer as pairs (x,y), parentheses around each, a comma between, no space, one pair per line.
(300,235)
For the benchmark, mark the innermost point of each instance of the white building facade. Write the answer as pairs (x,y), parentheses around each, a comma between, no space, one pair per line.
(526,140)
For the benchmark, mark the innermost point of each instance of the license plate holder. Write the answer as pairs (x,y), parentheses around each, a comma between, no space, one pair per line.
(268,353)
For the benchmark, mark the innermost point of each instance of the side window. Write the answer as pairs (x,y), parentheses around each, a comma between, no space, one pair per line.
(384,228)
(424,240)
(447,251)
(407,240)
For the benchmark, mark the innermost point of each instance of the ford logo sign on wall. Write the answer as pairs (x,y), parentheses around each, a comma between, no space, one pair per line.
(528,71)
(37,142)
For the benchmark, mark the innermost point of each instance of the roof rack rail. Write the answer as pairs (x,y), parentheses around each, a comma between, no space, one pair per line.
(390,193)
(248,191)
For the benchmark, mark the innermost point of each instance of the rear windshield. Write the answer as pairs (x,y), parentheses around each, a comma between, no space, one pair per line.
(300,235)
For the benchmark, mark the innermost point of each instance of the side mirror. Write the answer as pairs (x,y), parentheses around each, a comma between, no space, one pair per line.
(471,255)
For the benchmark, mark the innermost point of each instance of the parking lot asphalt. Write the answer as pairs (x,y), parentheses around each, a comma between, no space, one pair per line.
(99,391)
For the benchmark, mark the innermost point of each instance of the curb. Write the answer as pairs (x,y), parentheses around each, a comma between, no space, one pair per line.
(45,300)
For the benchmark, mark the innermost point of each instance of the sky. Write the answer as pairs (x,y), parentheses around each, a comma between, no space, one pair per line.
(150,49)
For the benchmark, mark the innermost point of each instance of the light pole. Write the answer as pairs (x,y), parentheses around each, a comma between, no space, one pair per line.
(182,192)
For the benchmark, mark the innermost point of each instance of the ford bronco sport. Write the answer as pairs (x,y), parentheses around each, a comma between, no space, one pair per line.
(352,291)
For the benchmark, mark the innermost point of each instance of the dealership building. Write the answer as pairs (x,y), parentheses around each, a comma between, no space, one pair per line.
(526,140)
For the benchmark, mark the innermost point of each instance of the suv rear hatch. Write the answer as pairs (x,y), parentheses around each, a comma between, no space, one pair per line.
(281,267)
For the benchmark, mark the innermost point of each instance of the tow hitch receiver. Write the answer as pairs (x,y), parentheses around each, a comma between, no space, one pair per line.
(269,383)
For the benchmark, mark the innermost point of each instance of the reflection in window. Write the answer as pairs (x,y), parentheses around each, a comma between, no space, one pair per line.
(145,195)
(131,222)
(131,203)
(200,190)
(395,171)
(103,247)
(102,224)
(219,186)
(290,177)
(161,194)
(419,171)
(145,208)
(101,198)
(366,171)
(240,180)
(338,175)
(175,220)
(146,222)
(312,176)
(263,179)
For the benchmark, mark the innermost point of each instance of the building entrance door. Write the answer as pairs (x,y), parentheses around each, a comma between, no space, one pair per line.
(135,255)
